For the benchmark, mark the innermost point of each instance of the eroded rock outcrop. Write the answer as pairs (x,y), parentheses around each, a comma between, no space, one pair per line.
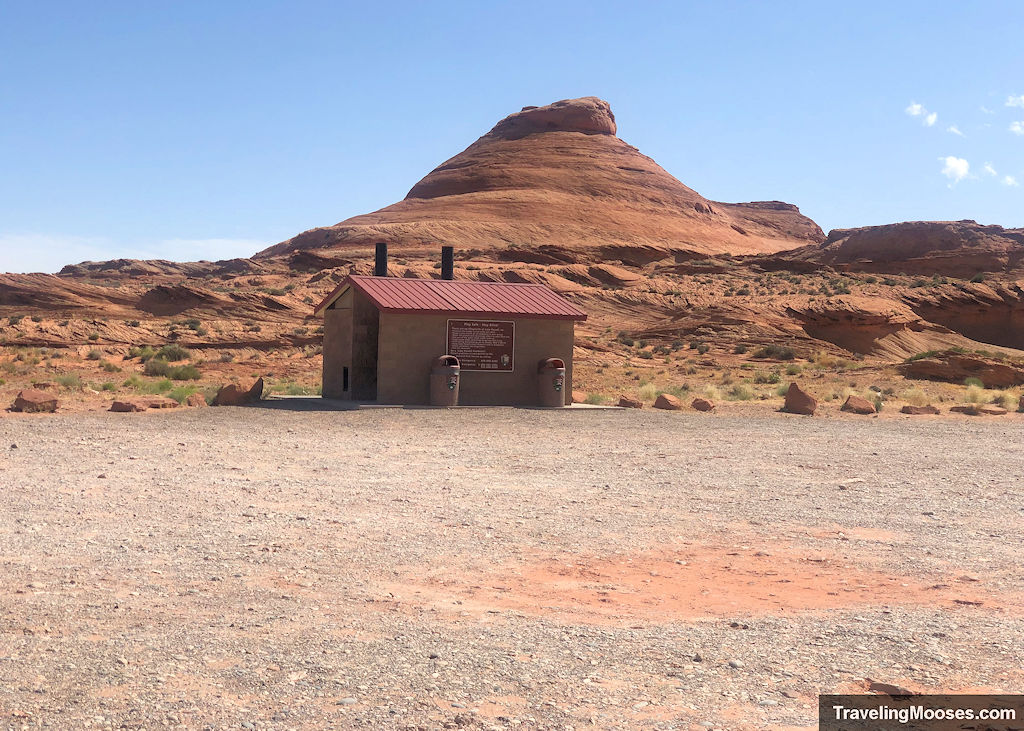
(558,174)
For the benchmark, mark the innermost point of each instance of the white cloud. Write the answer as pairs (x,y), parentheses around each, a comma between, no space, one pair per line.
(989,169)
(1010,181)
(35,252)
(986,110)
(955,130)
(1017,128)
(1015,101)
(915,110)
(930,120)
(955,168)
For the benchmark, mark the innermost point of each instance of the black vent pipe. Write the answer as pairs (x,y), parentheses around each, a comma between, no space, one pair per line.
(380,262)
(447,262)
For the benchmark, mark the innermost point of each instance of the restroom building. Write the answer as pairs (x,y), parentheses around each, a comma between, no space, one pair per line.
(383,334)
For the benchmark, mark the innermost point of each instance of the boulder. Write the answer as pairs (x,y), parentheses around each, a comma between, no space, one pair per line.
(919,410)
(799,401)
(668,402)
(143,404)
(993,410)
(578,397)
(127,405)
(234,395)
(702,404)
(196,400)
(969,409)
(630,403)
(32,400)
(954,367)
(858,405)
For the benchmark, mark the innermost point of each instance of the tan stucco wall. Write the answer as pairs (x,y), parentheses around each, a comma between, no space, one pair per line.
(408,345)
(337,346)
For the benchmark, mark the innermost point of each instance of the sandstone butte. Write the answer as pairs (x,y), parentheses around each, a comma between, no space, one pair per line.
(557,176)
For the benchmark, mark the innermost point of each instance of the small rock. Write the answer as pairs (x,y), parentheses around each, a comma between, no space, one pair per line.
(919,410)
(578,397)
(858,405)
(702,404)
(14,446)
(888,688)
(969,409)
(346,702)
(697,657)
(196,400)
(799,401)
(630,403)
(736,664)
(993,410)
(668,402)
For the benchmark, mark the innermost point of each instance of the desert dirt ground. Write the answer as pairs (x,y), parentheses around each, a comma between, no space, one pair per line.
(278,568)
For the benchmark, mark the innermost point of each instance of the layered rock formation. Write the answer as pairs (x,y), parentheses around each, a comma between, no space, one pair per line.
(558,176)
(952,248)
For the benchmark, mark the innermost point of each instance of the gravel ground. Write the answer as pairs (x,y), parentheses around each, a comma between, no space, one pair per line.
(499,568)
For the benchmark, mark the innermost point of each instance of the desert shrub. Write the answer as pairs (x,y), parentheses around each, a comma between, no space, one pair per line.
(184,373)
(15,319)
(109,386)
(771,377)
(1007,400)
(648,392)
(743,291)
(711,392)
(978,278)
(623,338)
(775,352)
(226,357)
(740,349)
(94,354)
(180,393)
(595,399)
(793,369)
(173,353)
(132,323)
(253,329)
(37,318)
(110,367)
(975,395)
(871,280)
(142,353)
(646,354)
(915,397)
(781,390)
(741,392)
(157,367)
(973,381)
(94,336)
(703,348)
(921,355)
(69,381)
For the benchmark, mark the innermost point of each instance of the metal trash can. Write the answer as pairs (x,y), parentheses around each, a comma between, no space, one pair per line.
(551,382)
(444,381)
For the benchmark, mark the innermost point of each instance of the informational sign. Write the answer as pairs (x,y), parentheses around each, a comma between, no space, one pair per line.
(482,345)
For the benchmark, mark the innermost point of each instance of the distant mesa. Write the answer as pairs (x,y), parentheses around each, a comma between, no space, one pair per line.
(556,176)
(949,248)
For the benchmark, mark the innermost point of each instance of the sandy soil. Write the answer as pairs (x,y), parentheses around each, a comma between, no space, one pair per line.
(499,568)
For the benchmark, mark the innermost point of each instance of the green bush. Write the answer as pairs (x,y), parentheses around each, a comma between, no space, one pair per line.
(775,352)
(793,369)
(144,353)
(772,377)
(69,380)
(109,386)
(741,392)
(922,354)
(977,278)
(972,381)
(110,367)
(36,318)
(94,336)
(184,373)
(740,349)
(94,354)
(157,367)
(173,352)
(15,319)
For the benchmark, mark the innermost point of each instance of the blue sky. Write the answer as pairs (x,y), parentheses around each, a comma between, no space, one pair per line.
(206,130)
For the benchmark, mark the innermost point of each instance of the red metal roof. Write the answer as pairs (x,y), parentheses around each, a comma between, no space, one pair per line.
(394,294)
